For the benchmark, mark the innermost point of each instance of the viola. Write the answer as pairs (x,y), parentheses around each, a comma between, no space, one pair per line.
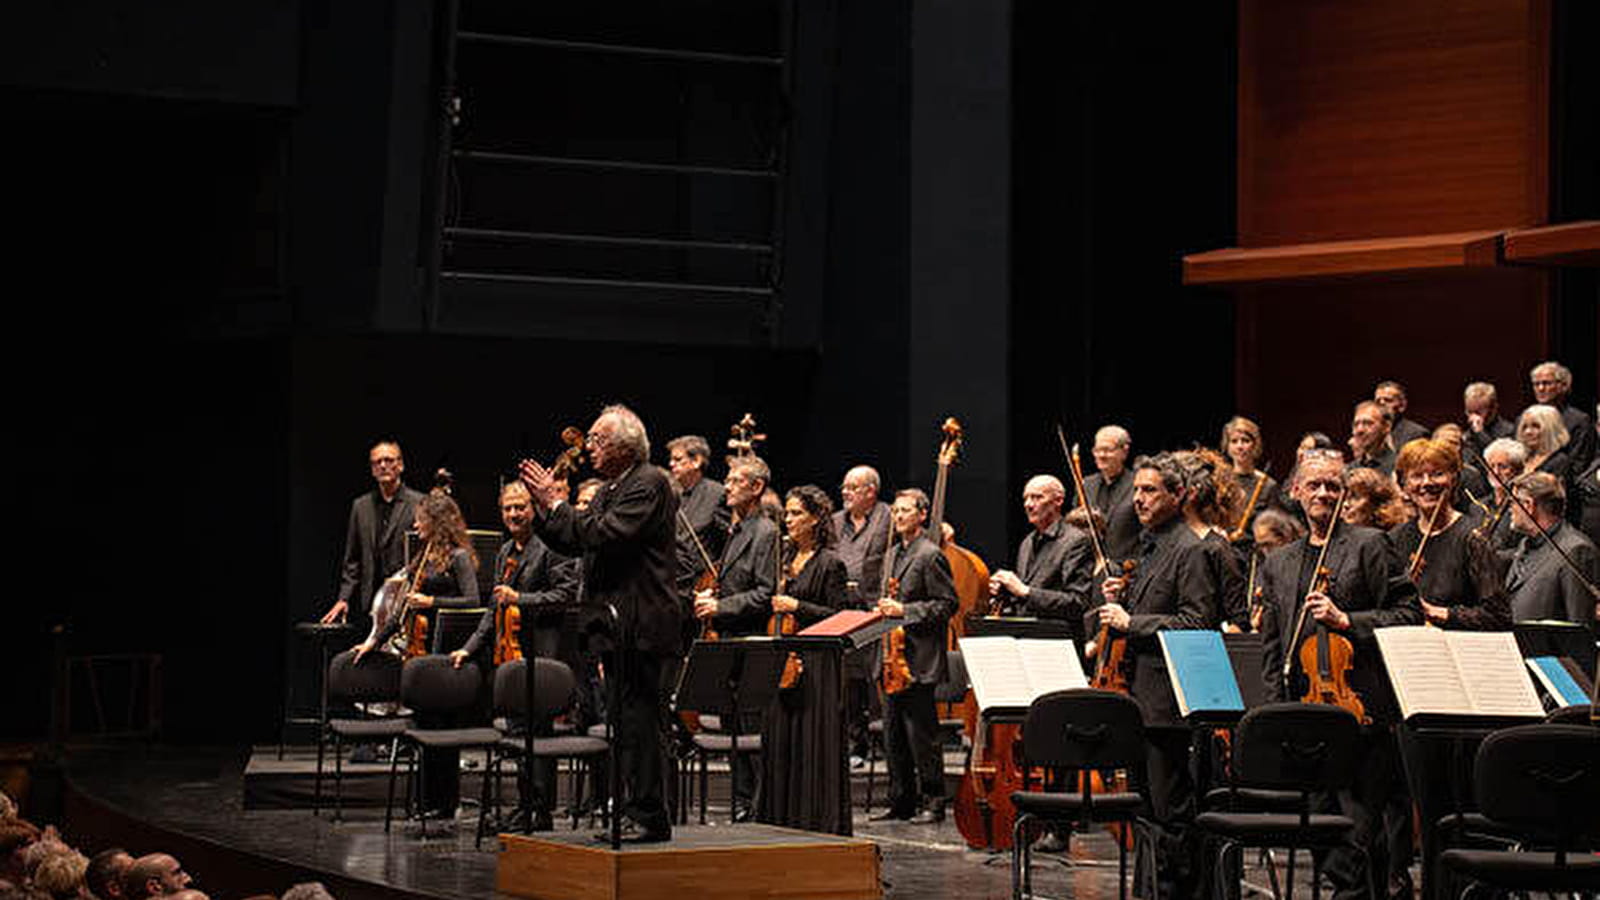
(507,621)
(781,624)
(896,671)
(1326,658)
(1111,650)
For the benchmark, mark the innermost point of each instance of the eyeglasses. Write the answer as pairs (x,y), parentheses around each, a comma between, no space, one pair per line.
(596,439)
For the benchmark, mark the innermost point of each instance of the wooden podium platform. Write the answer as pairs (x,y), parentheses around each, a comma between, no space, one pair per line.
(700,861)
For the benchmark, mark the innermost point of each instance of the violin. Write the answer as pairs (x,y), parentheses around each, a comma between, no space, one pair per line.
(1111,651)
(896,671)
(507,621)
(781,624)
(412,635)
(1326,658)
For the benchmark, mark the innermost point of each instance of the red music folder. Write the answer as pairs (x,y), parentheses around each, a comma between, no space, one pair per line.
(842,623)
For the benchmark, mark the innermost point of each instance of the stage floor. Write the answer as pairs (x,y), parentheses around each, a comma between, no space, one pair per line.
(201,793)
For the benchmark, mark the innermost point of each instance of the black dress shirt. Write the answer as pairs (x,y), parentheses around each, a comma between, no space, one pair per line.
(862,550)
(1114,499)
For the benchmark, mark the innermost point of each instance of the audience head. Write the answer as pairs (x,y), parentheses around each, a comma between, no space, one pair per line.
(1241,442)
(1111,444)
(16,836)
(153,875)
(103,877)
(60,875)
(8,807)
(1541,430)
(309,890)
(1551,382)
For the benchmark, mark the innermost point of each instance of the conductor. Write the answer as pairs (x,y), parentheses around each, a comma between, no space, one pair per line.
(626,538)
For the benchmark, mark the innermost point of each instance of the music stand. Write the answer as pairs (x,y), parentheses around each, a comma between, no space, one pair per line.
(729,677)
(1019,627)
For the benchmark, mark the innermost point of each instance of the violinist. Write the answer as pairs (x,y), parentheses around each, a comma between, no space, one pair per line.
(1110,490)
(1172,587)
(1472,486)
(1456,576)
(813,574)
(741,602)
(700,498)
(1241,441)
(923,607)
(1366,589)
(445,574)
(543,585)
(1211,502)
(1055,564)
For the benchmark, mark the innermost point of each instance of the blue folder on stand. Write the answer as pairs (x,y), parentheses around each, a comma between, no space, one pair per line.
(1558,681)
(1202,675)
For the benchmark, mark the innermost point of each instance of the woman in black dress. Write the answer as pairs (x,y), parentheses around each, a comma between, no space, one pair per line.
(813,577)
(445,575)
(1456,577)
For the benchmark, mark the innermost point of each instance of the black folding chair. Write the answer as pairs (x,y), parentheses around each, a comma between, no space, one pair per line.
(554,688)
(375,681)
(1542,784)
(431,686)
(1307,748)
(1083,730)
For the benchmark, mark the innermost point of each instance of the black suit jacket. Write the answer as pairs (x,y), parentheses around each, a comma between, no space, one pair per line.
(547,586)
(1115,502)
(749,576)
(703,507)
(1542,587)
(365,549)
(1369,584)
(1174,587)
(929,595)
(1479,441)
(627,541)
(1580,437)
(1059,572)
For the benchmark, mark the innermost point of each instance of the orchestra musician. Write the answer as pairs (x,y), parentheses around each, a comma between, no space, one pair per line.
(700,499)
(1370,443)
(627,540)
(446,577)
(1373,499)
(814,575)
(1241,442)
(925,602)
(1472,486)
(543,585)
(1457,579)
(1212,498)
(1391,395)
(1541,584)
(1545,437)
(741,603)
(1481,404)
(1583,506)
(1366,589)
(374,543)
(862,528)
(1110,490)
(1552,386)
(1505,459)
(1173,587)
(1055,564)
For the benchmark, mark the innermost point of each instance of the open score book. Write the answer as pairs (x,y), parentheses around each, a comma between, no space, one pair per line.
(1457,673)
(1010,673)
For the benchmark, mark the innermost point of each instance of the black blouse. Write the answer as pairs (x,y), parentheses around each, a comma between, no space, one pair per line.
(452,588)
(819,588)
(1459,572)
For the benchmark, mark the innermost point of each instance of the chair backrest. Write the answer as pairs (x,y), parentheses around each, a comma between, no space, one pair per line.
(1544,778)
(374,680)
(1297,746)
(1579,714)
(553,687)
(1084,729)
(452,627)
(429,684)
(953,689)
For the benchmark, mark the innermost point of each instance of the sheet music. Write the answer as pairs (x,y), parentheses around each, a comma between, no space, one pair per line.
(1008,672)
(1491,667)
(1422,670)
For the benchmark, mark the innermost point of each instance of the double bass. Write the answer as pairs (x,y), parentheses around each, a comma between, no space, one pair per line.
(508,616)
(967,571)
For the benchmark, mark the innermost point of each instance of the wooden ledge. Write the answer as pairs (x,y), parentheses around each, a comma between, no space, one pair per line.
(1575,243)
(1241,265)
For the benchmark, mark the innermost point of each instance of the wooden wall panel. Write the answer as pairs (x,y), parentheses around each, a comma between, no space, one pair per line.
(1308,353)
(1382,118)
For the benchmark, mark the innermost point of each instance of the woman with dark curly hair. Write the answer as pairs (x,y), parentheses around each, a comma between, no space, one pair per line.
(813,577)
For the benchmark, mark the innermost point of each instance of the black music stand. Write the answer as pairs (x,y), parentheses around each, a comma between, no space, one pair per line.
(323,634)
(730,677)
(1574,641)
(1020,627)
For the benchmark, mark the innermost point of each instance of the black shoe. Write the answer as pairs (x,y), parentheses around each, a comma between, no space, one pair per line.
(890,815)
(932,814)
(743,813)
(364,753)
(541,822)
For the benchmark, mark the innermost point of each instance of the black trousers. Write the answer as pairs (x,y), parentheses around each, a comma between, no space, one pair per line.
(1377,778)
(1169,782)
(911,742)
(641,731)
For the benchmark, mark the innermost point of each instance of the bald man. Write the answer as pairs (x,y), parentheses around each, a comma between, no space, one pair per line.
(1055,563)
(862,526)
(154,875)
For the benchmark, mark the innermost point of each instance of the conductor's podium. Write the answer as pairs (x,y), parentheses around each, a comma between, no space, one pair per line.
(705,862)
